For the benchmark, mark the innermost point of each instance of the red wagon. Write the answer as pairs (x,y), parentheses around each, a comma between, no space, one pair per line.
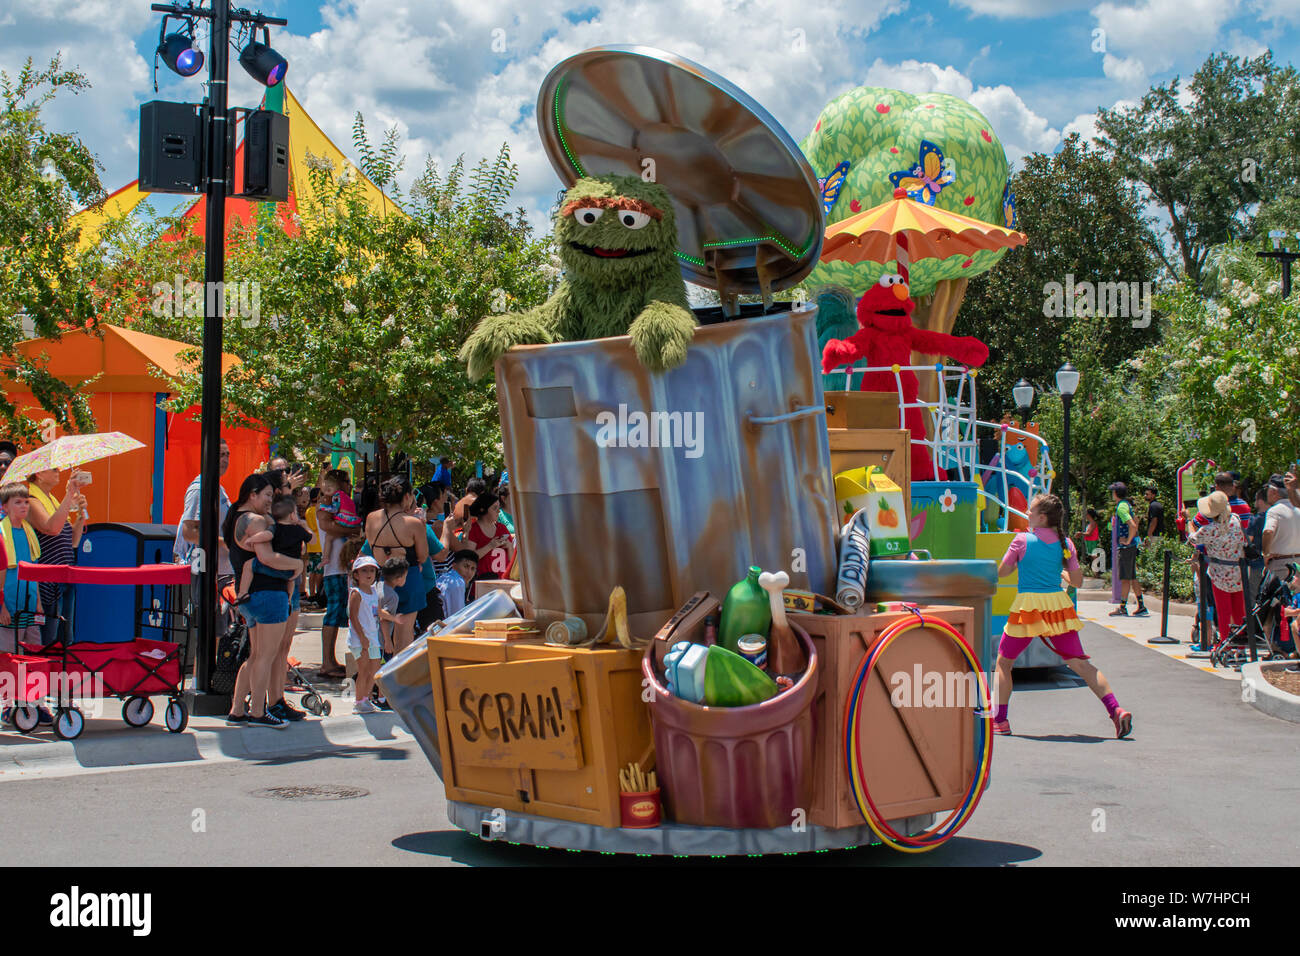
(129,670)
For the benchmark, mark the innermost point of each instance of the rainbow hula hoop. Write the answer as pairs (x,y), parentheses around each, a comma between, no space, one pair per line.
(940,834)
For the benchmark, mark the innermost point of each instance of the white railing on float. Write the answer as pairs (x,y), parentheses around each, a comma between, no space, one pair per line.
(956,430)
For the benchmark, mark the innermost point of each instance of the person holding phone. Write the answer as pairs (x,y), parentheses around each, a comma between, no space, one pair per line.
(59,526)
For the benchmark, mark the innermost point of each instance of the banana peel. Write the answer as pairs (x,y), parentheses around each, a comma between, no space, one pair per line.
(615,627)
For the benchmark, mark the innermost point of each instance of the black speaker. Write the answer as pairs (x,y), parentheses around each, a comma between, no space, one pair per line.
(171,147)
(266,156)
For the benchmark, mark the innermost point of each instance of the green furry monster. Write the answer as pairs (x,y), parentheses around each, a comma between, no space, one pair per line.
(617,237)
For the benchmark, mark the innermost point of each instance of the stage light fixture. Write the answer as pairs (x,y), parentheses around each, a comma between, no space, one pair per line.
(262,63)
(178,51)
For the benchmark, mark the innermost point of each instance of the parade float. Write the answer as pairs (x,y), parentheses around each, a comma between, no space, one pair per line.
(741,628)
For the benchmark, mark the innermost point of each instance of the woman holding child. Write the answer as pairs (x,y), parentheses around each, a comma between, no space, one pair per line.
(267,607)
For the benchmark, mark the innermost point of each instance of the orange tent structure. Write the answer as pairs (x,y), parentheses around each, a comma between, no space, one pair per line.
(135,371)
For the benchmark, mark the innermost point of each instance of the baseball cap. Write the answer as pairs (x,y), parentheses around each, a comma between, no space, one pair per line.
(1119,488)
(364,561)
(1278,482)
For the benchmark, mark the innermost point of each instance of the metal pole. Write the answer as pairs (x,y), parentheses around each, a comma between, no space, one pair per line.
(1248,603)
(214,272)
(1202,646)
(1065,461)
(1164,637)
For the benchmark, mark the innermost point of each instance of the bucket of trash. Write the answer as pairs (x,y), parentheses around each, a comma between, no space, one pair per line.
(745,767)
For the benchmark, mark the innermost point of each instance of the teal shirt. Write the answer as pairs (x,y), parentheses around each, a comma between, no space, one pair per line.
(22,598)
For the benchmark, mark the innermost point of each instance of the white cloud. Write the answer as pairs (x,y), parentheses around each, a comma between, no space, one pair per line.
(1156,34)
(1005,9)
(1239,44)
(1021,130)
(96,37)
(1279,11)
(1128,71)
(431,67)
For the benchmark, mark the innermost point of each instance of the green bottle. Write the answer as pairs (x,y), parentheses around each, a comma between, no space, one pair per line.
(746,610)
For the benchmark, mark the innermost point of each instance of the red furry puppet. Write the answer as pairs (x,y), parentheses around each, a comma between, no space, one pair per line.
(889,338)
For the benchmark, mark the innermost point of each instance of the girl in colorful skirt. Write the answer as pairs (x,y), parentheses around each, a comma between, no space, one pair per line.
(1042,609)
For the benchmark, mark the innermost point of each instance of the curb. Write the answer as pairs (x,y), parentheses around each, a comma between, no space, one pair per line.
(1267,698)
(103,748)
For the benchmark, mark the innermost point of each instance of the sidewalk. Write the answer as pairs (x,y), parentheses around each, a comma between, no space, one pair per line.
(109,744)
(1095,606)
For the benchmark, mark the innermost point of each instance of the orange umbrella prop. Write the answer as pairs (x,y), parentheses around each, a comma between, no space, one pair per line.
(921,231)
(70,451)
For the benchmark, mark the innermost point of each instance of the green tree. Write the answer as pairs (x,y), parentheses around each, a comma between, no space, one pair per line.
(1082,220)
(1208,158)
(1231,355)
(45,281)
(362,311)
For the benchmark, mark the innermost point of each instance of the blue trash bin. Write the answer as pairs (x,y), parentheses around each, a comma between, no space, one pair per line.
(109,614)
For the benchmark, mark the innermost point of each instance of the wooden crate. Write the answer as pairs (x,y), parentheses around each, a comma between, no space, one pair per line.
(538,729)
(919,759)
(886,447)
(862,410)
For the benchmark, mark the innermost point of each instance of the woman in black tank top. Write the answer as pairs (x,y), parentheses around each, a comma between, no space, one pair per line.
(266,618)
(394,532)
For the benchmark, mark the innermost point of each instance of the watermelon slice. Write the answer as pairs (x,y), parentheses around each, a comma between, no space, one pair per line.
(732,681)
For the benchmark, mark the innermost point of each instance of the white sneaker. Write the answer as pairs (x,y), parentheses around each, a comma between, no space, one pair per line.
(366,706)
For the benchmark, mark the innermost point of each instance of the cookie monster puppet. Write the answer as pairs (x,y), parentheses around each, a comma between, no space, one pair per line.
(618,241)
(887,338)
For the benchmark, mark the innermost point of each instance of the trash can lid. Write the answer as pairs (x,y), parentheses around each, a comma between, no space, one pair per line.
(747,201)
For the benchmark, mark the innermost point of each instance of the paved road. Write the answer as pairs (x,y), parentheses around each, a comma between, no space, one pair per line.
(1206,781)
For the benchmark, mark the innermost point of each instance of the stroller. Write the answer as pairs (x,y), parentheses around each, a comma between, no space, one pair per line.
(1275,594)
(232,651)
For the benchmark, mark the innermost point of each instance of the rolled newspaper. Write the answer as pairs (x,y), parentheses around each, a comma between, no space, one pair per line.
(855,555)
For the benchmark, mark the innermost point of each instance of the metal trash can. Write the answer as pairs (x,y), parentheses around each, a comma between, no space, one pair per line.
(738,767)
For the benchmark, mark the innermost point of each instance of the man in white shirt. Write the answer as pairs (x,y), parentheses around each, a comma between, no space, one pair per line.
(1281,526)
(187,534)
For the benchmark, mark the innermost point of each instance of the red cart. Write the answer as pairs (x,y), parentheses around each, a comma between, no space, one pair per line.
(130,670)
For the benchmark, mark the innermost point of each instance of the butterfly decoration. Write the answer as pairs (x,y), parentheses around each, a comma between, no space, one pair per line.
(930,174)
(1010,218)
(832,184)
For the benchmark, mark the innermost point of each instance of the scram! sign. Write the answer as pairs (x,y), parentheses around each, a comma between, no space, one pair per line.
(517,714)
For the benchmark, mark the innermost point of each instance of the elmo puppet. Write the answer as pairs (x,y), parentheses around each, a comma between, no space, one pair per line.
(888,338)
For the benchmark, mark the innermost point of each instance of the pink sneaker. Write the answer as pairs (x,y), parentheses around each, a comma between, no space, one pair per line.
(1123,722)
(1002,728)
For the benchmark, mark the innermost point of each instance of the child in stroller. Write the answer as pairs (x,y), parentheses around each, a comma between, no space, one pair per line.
(1277,602)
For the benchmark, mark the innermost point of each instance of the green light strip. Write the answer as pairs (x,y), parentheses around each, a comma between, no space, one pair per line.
(698,262)
(559,130)
(797,253)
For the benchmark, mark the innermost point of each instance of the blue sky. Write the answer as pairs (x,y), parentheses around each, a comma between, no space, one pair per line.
(432,69)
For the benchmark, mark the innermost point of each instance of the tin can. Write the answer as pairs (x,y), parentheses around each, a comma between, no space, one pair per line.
(753,648)
(570,632)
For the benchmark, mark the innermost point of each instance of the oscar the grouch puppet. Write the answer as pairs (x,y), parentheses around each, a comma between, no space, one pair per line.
(617,237)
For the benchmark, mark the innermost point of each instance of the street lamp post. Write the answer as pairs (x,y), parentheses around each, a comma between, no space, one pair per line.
(218,136)
(1023,393)
(1286,256)
(1067,383)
